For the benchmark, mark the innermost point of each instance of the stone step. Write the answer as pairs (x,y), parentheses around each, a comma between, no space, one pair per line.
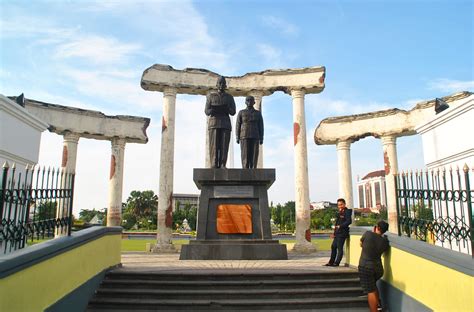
(334,273)
(219,294)
(128,304)
(229,284)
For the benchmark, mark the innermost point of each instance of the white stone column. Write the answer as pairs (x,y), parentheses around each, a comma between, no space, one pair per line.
(391,168)
(345,172)
(258,106)
(68,165)
(303,232)
(114,211)
(207,158)
(70,151)
(165,196)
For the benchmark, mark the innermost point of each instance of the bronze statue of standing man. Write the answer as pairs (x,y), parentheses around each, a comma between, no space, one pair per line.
(249,133)
(219,106)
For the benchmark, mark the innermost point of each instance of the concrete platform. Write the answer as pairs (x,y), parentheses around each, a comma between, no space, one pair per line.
(150,262)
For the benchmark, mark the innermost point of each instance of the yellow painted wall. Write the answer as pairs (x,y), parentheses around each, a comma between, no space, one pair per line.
(43,284)
(436,286)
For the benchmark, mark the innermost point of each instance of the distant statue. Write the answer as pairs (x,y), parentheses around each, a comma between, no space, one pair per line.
(185,227)
(219,105)
(249,133)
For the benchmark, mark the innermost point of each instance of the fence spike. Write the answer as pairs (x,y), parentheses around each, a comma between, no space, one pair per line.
(14,166)
(465,168)
(6,165)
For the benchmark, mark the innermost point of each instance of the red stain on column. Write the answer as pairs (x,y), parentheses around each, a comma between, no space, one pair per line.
(386,162)
(112,167)
(307,235)
(163,124)
(296,131)
(169,213)
(321,79)
(64,160)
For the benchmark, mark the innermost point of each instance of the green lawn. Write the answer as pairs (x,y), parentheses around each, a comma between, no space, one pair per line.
(139,244)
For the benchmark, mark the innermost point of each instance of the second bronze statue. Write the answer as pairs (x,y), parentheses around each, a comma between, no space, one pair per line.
(249,133)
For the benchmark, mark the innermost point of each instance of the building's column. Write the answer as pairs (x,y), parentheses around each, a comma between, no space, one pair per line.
(165,196)
(114,210)
(391,168)
(70,151)
(303,218)
(68,165)
(258,95)
(207,158)
(345,172)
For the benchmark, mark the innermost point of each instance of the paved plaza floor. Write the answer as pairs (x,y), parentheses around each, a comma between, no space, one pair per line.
(143,261)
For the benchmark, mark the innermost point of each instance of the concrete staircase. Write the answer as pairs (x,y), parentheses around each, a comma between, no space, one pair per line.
(229,290)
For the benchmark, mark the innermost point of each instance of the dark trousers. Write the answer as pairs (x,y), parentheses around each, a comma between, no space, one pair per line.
(249,153)
(218,146)
(337,250)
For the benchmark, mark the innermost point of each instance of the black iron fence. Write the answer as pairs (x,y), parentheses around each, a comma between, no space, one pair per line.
(436,206)
(35,203)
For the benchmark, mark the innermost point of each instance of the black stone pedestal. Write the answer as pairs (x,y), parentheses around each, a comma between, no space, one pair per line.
(234,249)
(233,187)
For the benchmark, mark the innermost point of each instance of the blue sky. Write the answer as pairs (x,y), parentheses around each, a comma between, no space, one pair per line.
(91,54)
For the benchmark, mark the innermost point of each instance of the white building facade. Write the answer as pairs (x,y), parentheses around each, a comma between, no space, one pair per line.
(371,190)
(448,137)
(448,149)
(20,134)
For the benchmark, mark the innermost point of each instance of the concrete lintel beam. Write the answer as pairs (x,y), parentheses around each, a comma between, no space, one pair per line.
(88,123)
(201,81)
(390,122)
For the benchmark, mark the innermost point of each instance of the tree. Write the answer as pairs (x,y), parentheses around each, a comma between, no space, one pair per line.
(284,216)
(141,210)
(45,210)
(86,215)
(142,204)
(321,218)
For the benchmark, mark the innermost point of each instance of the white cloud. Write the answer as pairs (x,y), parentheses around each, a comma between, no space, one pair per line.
(23,25)
(44,96)
(451,85)
(272,57)
(321,107)
(5,74)
(280,25)
(124,94)
(96,49)
(175,31)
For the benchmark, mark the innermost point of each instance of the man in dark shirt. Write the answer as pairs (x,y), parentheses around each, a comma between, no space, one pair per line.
(373,244)
(249,133)
(219,105)
(341,232)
